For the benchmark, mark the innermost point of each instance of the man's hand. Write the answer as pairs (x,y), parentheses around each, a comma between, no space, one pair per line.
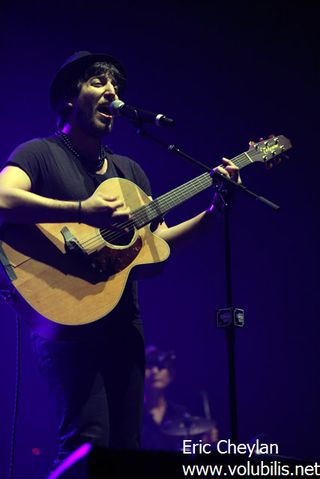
(230,170)
(101,210)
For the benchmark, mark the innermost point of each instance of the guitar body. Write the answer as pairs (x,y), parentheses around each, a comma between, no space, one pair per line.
(56,289)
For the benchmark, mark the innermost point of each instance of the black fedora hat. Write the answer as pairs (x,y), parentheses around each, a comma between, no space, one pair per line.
(72,69)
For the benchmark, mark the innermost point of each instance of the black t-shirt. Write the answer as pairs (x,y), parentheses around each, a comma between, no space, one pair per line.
(56,173)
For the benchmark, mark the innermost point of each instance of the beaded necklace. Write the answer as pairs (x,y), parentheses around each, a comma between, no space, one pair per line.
(67,142)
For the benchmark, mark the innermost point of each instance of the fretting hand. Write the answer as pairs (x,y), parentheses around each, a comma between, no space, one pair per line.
(229,170)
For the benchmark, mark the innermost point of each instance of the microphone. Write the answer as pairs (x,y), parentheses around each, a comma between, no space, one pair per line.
(119,108)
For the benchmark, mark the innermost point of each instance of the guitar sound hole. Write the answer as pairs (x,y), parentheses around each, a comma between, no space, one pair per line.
(118,238)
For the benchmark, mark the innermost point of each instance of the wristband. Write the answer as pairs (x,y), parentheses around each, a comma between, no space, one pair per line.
(79,211)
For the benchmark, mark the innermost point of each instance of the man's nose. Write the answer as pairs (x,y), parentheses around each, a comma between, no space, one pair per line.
(110,92)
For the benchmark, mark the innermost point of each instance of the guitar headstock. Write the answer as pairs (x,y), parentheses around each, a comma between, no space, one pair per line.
(269,151)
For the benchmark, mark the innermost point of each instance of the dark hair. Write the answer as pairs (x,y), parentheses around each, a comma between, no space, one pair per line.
(161,359)
(73,89)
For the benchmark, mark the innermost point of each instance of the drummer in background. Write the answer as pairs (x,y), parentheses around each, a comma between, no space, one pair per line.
(161,413)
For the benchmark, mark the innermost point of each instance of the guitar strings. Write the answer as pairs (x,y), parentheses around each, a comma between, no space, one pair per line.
(139,213)
(140,216)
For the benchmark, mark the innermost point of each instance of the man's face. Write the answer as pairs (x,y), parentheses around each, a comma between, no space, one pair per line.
(90,110)
(157,378)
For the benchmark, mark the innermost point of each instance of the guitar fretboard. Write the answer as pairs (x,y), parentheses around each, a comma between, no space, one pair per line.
(166,202)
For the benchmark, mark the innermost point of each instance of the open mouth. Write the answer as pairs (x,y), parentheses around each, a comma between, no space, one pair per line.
(104,111)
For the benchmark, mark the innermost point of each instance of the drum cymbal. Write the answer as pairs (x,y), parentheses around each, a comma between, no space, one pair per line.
(187,426)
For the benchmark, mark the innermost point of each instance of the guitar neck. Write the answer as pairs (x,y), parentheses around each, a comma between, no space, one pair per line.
(164,203)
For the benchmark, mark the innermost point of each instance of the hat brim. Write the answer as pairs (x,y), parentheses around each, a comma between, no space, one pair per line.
(69,72)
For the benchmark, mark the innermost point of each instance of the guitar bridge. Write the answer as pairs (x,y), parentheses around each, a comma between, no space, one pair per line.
(74,248)
(71,243)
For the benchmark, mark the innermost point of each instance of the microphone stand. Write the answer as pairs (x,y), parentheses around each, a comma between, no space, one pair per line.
(229,317)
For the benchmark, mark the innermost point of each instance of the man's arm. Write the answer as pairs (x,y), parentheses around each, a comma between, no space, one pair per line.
(186,229)
(19,205)
(199,223)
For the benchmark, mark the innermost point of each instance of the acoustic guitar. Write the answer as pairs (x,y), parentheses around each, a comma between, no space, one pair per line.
(66,275)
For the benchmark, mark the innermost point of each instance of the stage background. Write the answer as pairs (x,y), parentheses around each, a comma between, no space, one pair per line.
(227,72)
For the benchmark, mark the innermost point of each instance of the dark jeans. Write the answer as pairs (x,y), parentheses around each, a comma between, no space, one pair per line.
(98,384)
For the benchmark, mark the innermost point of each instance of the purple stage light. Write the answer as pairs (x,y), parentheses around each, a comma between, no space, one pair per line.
(71,460)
